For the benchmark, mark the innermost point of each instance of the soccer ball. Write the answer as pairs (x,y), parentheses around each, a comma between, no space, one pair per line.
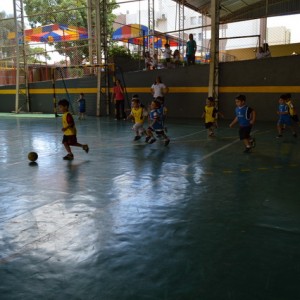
(32,156)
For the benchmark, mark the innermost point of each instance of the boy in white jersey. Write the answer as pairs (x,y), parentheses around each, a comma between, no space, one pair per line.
(69,130)
(137,114)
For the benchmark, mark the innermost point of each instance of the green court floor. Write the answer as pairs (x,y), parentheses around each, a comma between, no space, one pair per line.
(196,220)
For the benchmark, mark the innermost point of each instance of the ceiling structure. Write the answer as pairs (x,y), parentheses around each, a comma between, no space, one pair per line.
(240,10)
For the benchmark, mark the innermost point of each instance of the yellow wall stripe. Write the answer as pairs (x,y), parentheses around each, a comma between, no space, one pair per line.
(175,90)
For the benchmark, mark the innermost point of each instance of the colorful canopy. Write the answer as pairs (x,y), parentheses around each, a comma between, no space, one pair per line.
(53,33)
(138,34)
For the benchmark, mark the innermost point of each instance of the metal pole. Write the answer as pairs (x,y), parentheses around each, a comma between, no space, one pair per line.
(17,59)
(90,31)
(99,57)
(214,51)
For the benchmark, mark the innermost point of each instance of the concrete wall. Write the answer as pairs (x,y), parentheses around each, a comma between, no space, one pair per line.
(262,81)
(276,51)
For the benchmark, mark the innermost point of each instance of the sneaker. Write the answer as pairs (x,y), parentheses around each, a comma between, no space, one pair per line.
(136,138)
(253,142)
(211,134)
(147,139)
(68,157)
(167,142)
(279,136)
(247,150)
(153,140)
(86,148)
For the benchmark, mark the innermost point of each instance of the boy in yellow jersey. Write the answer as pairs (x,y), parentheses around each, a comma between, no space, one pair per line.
(209,115)
(69,130)
(292,109)
(137,114)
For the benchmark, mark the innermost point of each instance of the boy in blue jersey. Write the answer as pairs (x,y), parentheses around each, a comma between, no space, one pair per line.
(81,107)
(284,116)
(245,116)
(156,124)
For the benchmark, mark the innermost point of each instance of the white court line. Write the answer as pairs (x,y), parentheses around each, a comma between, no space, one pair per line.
(220,149)
(184,136)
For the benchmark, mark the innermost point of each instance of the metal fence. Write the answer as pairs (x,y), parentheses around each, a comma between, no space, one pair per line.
(59,37)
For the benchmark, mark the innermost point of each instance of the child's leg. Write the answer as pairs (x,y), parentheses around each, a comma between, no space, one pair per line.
(292,129)
(150,137)
(166,138)
(84,147)
(247,143)
(279,128)
(210,131)
(68,148)
(149,133)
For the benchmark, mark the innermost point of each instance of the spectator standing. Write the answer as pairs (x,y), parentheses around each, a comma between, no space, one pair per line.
(167,52)
(119,100)
(191,48)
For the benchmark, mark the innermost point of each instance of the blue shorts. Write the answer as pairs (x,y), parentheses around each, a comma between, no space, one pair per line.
(157,130)
(285,120)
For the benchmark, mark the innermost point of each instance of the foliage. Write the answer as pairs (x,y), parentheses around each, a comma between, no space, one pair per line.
(36,55)
(71,12)
(118,51)
(7,25)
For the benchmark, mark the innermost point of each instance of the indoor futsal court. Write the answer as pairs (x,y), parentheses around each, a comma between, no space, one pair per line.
(196,220)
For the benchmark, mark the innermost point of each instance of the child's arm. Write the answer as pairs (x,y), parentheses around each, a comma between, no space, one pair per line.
(165,90)
(220,114)
(235,120)
(253,117)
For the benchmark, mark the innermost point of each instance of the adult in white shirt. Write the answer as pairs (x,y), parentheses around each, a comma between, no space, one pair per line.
(159,89)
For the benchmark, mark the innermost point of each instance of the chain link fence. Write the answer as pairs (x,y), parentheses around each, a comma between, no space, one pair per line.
(59,37)
(49,39)
(238,41)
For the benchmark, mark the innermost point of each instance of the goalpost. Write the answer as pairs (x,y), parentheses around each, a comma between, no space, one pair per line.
(67,75)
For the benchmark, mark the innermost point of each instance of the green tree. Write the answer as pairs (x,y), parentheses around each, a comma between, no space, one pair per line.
(70,12)
(7,25)
(37,55)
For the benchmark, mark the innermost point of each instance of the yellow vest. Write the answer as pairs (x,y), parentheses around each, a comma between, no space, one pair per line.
(69,131)
(137,115)
(291,107)
(209,114)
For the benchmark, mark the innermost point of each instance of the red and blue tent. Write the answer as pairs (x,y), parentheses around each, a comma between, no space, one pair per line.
(138,35)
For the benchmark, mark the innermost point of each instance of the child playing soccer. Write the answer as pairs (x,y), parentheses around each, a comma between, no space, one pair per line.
(209,114)
(69,130)
(138,114)
(284,116)
(81,107)
(245,116)
(156,124)
(292,109)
